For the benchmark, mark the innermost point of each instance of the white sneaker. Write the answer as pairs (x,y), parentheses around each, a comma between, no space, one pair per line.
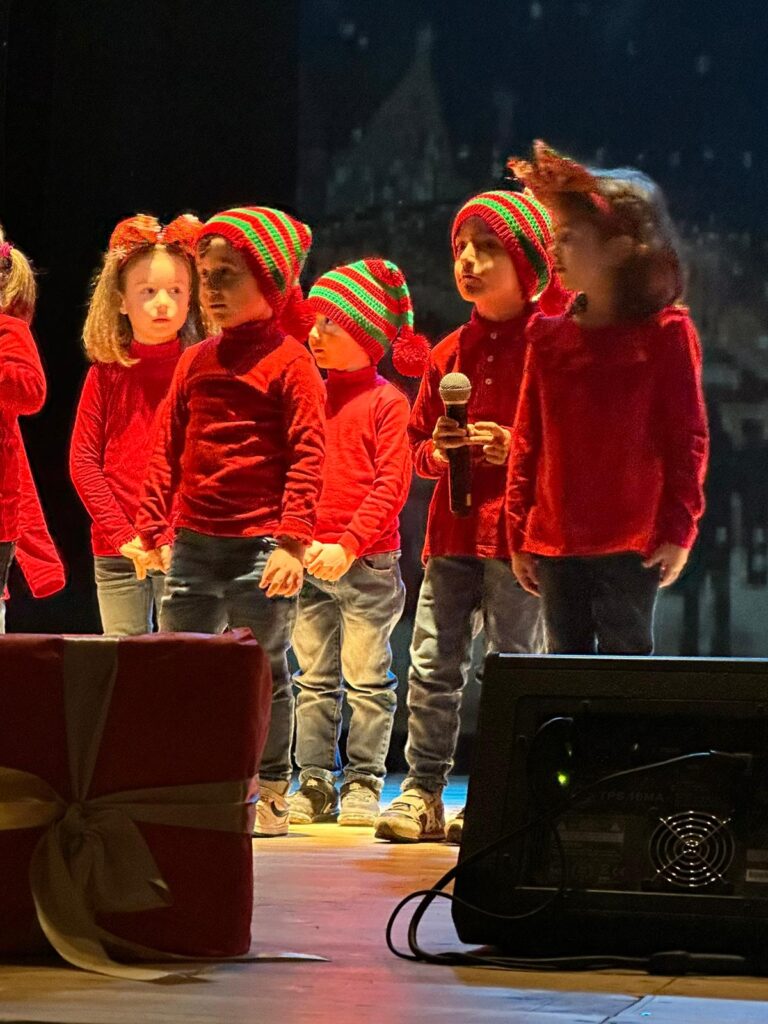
(272,810)
(414,817)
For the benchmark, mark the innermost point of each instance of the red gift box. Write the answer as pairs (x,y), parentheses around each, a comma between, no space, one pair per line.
(180,718)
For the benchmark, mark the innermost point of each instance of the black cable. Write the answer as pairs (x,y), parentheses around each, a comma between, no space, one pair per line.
(428,896)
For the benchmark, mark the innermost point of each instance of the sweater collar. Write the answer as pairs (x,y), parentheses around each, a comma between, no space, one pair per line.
(252,332)
(345,380)
(168,350)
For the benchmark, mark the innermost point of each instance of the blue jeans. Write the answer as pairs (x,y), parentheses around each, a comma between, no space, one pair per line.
(7,548)
(126,604)
(213,582)
(457,597)
(603,603)
(341,642)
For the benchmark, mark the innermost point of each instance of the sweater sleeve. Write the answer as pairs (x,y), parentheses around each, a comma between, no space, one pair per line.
(524,455)
(86,461)
(427,408)
(22,381)
(156,501)
(36,553)
(392,478)
(684,434)
(304,403)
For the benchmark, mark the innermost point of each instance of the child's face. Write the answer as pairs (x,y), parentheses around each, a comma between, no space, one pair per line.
(583,258)
(484,271)
(228,290)
(335,349)
(155,296)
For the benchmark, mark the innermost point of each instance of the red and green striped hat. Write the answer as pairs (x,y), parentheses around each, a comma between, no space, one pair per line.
(525,228)
(370,300)
(275,246)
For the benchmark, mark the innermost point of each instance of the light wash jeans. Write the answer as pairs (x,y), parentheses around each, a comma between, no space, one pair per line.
(341,642)
(126,604)
(458,596)
(7,548)
(213,582)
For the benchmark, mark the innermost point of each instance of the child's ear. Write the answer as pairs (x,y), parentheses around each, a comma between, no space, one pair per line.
(123,310)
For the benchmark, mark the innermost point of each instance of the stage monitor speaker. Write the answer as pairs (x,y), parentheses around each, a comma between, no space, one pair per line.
(674,858)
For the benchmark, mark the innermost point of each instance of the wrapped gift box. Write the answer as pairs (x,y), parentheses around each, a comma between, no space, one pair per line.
(180,718)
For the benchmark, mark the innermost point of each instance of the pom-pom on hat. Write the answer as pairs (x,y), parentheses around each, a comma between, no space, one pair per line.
(370,300)
(525,229)
(275,246)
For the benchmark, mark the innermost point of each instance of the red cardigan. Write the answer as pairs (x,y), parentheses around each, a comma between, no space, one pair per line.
(367,463)
(610,442)
(491,354)
(240,444)
(36,553)
(112,439)
(22,392)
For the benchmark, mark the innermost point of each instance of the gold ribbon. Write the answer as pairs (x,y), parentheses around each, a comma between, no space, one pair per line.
(92,858)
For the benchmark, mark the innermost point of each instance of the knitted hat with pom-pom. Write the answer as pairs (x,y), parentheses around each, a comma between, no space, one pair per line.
(370,300)
(275,246)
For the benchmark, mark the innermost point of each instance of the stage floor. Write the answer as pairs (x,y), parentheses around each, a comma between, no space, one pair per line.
(329,891)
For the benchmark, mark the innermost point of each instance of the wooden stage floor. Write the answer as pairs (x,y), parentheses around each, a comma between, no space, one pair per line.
(329,891)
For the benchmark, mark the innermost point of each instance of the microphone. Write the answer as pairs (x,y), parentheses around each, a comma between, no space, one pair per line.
(455,391)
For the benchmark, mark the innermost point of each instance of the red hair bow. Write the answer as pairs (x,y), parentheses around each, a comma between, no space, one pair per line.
(144,231)
(549,173)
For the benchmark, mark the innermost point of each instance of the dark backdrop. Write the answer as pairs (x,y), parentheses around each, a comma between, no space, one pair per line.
(111,107)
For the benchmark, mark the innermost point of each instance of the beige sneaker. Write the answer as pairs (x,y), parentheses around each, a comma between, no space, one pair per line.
(414,817)
(272,811)
(454,829)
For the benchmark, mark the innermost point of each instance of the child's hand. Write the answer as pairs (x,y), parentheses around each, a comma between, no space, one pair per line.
(494,439)
(312,551)
(671,560)
(284,572)
(448,434)
(524,568)
(134,551)
(162,558)
(331,562)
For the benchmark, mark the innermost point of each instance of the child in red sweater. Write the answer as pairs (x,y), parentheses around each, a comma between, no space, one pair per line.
(501,265)
(142,313)
(605,486)
(240,449)
(354,595)
(22,392)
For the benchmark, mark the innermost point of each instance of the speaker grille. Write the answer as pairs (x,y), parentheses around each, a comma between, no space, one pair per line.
(692,849)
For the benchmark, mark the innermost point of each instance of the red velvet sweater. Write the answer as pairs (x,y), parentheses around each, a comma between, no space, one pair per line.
(112,439)
(22,392)
(610,443)
(492,355)
(367,462)
(240,445)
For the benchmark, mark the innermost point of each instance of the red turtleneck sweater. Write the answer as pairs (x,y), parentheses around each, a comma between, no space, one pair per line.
(22,392)
(491,354)
(367,462)
(610,445)
(113,438)
(240,443)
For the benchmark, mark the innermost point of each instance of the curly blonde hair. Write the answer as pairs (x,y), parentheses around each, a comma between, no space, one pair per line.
(107,332)
(18,287)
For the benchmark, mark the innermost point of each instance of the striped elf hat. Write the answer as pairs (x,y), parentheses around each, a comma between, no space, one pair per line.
(275,246)
(524,227)
(370,300)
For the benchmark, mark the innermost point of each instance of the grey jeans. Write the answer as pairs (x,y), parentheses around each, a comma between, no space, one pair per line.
(126,604)
(341,642)
(458,596)
(213,582)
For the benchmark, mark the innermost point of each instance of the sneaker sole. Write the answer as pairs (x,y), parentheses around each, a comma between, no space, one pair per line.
(317,819)
(266,834)
(361,820)
(391,835)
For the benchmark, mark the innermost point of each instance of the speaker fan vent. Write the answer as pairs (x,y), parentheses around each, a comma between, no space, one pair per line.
(692,849)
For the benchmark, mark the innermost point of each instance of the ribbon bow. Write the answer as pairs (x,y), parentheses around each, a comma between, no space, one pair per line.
(550,173)
(145,231)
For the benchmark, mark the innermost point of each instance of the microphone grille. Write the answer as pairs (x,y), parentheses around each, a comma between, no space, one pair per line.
(455,387)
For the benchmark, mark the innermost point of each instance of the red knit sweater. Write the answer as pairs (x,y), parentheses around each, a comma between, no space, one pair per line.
(22,392)
(241,443)
(491,354)
(610,443)
(112,439)
(367,462)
